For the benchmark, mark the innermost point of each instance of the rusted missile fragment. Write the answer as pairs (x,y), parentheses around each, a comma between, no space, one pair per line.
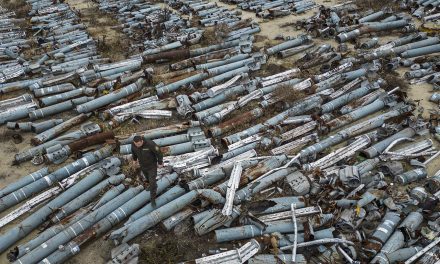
(292,51)
(339,154)
(294,145)
(347,87)
(261,168)
(361,112)
(22,126)
(181,77)
(91,140)
(366,99)
(320,60)
(298,131)
(203,58)
(235,122)
(185,147)
(167,56)
(159,132)
(254,172)
(173,74)
(107,114)
(376,27)
(342,68)
(168,103)
(57,130)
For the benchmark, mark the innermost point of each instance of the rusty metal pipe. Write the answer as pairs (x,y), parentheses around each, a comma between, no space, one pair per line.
(57,130)
(235,122)
(167,55)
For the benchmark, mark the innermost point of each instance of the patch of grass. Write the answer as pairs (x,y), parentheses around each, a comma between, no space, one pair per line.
(115,49)
(3,175)
(210,37)
(172,247)
(285,93)
(374,4)
(20,7)
(393,81)
(271,69)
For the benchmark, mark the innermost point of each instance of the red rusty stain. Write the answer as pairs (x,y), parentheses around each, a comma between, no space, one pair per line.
(234,122)
(91,140)
(168,55)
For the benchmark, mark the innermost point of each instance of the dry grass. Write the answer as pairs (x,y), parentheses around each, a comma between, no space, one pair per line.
(285,93)
(210,37)
(172,247)
(374,4)
(110,42)
(113,48)
(270,69)
(103,28)
(20,7)
(393,81)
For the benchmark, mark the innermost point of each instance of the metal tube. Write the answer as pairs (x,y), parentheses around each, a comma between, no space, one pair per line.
(77,228)
(42,183)
(48,233)
(260,184)
(373,27)
(357,114)
(109,195)
(37,218)
(161,90)
(45,125)
(372,17)
(379,147)
(298,109)
(86,197)
(421,51)
(289,44)
(411,176)
(275,259)
(23,181)
(111,97)
(163,199)
(249,231)
(60,88)
(57,130)
(344,99)
(153,218)
(54,99)
(347,133)
(111,220)
(58,108)
(227,75)
(402,254)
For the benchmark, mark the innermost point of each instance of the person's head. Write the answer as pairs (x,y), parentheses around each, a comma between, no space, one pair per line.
(138,141)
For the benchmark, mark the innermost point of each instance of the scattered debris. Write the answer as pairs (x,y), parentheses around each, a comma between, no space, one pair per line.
(298,152)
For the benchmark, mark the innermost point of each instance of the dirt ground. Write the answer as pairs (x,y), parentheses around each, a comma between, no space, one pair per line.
(181,244)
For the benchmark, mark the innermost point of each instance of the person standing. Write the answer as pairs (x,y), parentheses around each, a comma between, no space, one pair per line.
(148,156)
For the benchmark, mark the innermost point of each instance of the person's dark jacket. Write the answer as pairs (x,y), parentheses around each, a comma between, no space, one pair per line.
(149,154)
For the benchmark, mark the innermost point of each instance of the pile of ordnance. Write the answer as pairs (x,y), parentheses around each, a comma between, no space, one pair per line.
(426,10)
(13,44)
(324,161)
(272,9)
(208,13)
(345,22)
(154,29)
